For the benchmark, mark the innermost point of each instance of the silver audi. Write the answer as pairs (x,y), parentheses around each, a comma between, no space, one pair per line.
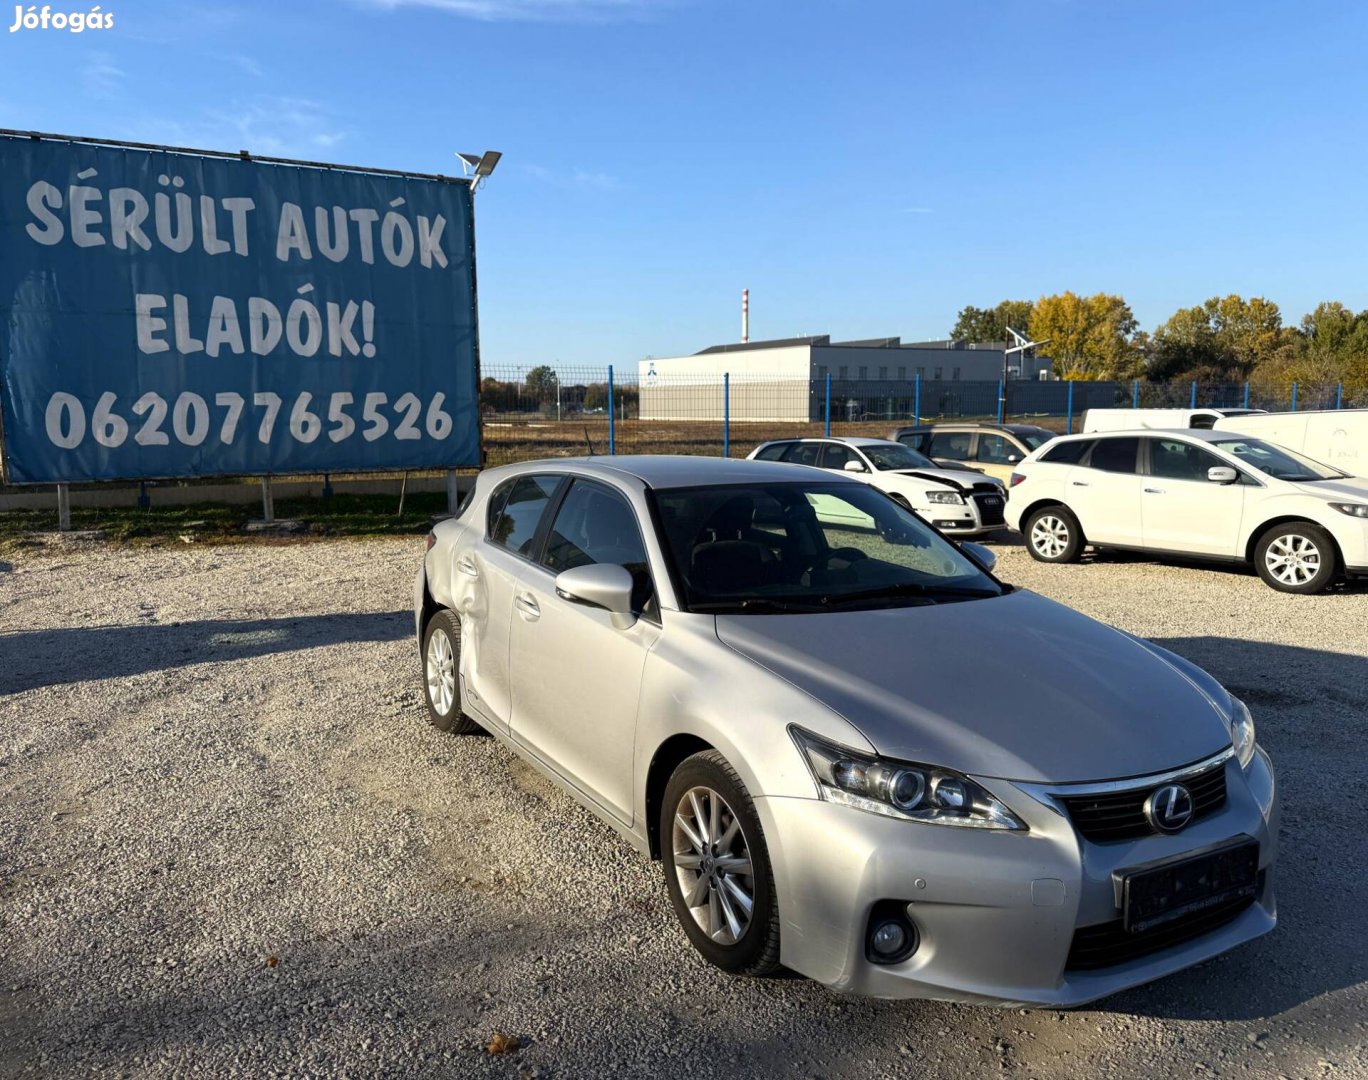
(856,752)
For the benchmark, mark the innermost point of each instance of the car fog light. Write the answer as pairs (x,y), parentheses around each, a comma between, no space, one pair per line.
(888,939)
(892,937)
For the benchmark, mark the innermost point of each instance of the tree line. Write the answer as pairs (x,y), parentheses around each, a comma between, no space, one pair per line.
(1227,339)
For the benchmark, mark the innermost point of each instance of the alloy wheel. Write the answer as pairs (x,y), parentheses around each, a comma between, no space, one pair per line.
(714,865)
(441,671)
(1050,536)
(1293,559)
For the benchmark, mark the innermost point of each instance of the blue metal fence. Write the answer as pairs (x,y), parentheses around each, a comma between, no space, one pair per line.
(576,411)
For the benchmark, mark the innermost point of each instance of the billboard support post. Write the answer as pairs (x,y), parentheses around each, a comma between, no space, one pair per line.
(267,503)
(64,508)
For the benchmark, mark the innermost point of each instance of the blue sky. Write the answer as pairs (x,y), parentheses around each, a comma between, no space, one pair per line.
(864,168)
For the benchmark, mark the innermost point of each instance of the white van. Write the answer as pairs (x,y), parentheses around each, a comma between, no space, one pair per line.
(1335,437)
(1131,419)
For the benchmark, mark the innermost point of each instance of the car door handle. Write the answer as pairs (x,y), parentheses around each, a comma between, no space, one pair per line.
(1154,491)
(466,565)
(1080,483)
(527,607)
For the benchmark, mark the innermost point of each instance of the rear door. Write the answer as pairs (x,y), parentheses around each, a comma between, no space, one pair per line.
(576,677)
(484,576)
(1184,511)
(1104,492)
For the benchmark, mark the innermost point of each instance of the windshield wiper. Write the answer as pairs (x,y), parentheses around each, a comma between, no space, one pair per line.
(756,605)
(930,593)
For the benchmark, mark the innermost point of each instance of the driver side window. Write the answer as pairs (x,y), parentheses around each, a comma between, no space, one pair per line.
(835,456)
(1175,460)
(997,450)
(595,524)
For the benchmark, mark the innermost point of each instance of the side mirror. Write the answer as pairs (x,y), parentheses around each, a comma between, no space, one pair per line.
(601,585)
(985,556)
(854,466)
(1012,459)
(1222,474)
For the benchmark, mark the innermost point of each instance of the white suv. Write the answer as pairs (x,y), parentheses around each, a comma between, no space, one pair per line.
(956,501)
(1204,494)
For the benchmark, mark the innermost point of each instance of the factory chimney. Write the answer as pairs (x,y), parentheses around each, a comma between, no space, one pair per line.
(745,315)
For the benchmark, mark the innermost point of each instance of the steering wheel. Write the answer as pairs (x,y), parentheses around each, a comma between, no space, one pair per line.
(823,562)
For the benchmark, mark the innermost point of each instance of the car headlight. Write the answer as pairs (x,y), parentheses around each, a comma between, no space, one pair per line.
(944,497)
(900,789)
(1242,732)
(1358,510)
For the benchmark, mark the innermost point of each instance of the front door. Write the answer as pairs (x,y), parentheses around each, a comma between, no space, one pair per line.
(576,677)
(1104,492)
(1184,511)
(997,455)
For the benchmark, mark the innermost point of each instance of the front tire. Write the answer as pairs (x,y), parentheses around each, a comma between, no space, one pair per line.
(442,675)
(1053,535)
(1296,557)
(717,868)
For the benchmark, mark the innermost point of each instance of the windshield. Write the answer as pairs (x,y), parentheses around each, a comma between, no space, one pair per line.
(1277,461)
(896,456)
(1035,438)
(809,546)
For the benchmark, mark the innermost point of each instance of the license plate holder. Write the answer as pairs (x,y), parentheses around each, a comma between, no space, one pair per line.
(1161,892)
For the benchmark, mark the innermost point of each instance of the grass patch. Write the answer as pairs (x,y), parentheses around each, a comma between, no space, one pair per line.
(339,515)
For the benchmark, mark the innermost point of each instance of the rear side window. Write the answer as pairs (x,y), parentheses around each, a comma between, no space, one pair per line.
(915,439)
(516,509)
(1067,453)
(953,446)
(1115,455)
(773,452)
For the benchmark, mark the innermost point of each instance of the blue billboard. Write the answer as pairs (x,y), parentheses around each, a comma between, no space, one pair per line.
(170,314)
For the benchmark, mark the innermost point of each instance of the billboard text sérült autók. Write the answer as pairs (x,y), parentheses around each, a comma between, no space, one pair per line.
(167,314)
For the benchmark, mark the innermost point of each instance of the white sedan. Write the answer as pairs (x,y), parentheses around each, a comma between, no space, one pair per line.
(1200,494)
(956,501)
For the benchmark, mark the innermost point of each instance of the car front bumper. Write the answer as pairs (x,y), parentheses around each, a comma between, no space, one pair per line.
(996,911)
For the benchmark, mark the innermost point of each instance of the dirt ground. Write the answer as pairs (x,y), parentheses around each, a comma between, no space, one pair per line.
(230,844)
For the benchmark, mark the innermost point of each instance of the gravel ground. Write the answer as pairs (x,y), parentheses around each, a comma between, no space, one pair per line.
(231,844)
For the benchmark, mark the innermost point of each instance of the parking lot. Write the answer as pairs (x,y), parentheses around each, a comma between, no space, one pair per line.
(230,842)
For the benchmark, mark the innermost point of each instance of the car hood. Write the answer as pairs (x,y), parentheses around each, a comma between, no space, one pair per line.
(964,479)
(1351,487)
(1016,686)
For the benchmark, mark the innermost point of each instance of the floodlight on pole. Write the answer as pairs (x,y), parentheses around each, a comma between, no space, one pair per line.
(479,166)
(1022,346)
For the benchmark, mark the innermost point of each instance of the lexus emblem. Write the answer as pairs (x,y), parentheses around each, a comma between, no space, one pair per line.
(1169,808)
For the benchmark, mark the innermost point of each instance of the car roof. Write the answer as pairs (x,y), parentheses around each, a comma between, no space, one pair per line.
(678,470)
(971,425)
(1200,434)
(849,440)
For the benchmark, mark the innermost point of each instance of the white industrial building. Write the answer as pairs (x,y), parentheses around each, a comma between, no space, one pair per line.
(786,380)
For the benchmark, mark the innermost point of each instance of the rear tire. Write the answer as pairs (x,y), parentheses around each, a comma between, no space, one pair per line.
(1296,557)
(442,675)
(1053,535)
(716,864)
